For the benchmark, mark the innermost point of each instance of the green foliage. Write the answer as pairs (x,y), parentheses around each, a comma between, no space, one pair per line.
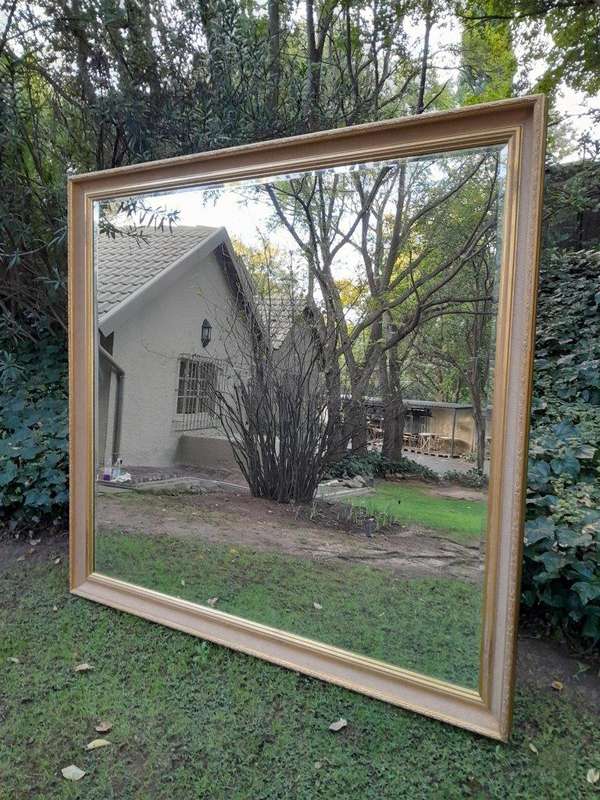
(562,537)
(193,720)
(572,207)
(33,436)
(374,465)
(563,33)
(489,63)
(472,479)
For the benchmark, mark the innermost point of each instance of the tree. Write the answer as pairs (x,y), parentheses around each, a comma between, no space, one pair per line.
(488,62)
(273,406)
(463,344)
(572,26)
(379,214)
(86,88)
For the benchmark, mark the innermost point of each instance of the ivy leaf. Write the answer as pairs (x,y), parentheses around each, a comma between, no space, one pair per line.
(567,465)
(538,529)
(587,590)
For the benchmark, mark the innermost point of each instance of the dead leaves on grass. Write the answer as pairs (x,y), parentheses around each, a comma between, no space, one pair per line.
(103,727)
(593,776)
(212,601)
(85,667)
(338,725)
(95,744)
(73,773)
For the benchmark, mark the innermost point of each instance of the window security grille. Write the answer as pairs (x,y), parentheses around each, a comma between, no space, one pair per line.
(198,383)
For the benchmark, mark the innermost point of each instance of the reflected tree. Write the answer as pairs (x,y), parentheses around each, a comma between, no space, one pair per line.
(388,227)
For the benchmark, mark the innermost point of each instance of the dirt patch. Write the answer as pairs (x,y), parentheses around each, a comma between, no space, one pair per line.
(457,492)
(19,553)
(541,662)
(240,520)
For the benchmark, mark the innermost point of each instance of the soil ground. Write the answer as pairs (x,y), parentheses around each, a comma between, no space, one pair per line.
(323,532)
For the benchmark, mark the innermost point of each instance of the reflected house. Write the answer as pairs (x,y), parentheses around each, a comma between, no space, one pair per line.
(433,426)
(446,429)
(167,335)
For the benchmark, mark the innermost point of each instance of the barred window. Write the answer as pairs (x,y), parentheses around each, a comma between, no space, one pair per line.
(196,386)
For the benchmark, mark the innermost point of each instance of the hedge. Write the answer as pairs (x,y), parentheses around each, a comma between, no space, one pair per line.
(561,575)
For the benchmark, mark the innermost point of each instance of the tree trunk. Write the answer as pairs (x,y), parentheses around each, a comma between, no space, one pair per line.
(394,410)
(355,426)
(394,415)
(337,444)
(479,421)
(424,59)
(274,56)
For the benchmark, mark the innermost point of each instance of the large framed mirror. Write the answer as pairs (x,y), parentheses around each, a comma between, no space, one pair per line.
(300,382)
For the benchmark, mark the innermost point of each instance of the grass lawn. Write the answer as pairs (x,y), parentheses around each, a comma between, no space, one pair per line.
(363,609)
(194,721)
(463,520)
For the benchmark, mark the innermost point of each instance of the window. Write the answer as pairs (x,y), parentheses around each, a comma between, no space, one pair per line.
(196,389)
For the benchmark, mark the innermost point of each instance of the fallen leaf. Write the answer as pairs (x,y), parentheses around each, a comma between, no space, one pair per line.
(318,764)
(35,541)
(318,606)
(212,601)
(338,725)
(103,727)
(54,608)
(72,773)
(183,582)
(21,558)
(593,776)
(85,667)
(558,685)
(533,748)
(96,743)
(57,561)
(13,660)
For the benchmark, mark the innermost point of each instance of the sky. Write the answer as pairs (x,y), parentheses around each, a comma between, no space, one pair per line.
(245,220)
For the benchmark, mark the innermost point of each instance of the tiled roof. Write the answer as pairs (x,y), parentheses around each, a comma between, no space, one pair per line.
(125,264)
(280,314)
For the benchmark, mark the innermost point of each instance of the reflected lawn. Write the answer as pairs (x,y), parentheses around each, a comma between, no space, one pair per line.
(463,520)
(431,625)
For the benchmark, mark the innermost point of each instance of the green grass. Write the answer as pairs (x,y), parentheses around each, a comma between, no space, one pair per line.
(194,721)
(463,520)
(363,609)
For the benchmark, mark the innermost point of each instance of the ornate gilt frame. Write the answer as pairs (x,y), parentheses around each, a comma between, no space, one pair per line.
(519,123)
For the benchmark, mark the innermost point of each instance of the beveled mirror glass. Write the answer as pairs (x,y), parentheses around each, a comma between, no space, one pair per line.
(306,402)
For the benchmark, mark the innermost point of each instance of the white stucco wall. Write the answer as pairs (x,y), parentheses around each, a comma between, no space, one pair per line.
(148,347)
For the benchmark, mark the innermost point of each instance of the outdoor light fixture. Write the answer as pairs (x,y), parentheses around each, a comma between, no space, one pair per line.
(206,332)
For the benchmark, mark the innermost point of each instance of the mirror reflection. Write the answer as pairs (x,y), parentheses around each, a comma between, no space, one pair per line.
(294,401)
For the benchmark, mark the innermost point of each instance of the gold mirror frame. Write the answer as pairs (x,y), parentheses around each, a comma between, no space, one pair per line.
(518,123)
